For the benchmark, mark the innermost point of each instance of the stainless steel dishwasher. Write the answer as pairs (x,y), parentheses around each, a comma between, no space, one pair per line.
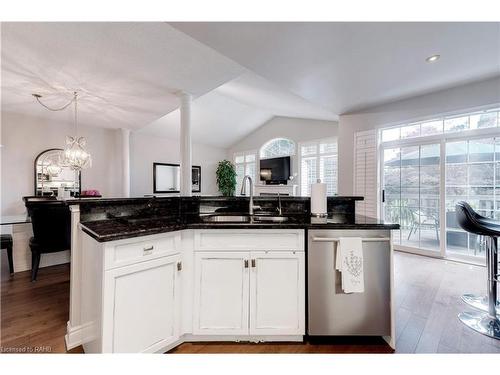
(331,311)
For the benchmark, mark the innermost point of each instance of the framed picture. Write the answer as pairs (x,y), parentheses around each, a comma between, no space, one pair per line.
(167,178)
(196,179)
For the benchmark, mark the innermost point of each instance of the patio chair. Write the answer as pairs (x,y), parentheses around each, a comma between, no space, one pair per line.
(420,218)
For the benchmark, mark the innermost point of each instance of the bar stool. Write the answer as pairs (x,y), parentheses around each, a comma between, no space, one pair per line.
(485,322)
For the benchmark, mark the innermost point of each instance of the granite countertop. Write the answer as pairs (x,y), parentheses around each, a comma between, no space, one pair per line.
(119,228)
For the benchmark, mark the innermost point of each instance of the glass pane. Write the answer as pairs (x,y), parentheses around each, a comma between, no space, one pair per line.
(456,152)
(250,158)
(239,159)
(481,150)
(240,173)
(308,173)
(277,147)
(410,131)
(250,170)
(390,134)
(429,228)
(431,127)
(472,181)
(310,149)
(328,148)
(483,120)
(328,173)
(481,174)
(456,124)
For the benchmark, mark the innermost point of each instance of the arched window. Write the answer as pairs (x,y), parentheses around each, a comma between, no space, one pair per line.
(277,147)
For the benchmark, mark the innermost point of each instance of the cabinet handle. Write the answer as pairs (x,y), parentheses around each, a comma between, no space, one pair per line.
(147,250)
(179,266)
(253,263)
(246,263)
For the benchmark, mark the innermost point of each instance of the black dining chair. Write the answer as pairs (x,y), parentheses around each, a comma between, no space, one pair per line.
(6,243)
(51,223)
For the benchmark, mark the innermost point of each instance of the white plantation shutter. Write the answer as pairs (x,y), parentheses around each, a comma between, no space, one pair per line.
(318,159)
(365,172)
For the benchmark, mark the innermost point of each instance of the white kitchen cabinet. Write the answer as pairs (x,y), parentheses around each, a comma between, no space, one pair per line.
(249,293)
(277,293)
(141,306)
(221,293)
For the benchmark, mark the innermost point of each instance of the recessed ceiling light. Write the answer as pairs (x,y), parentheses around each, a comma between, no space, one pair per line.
(433,58)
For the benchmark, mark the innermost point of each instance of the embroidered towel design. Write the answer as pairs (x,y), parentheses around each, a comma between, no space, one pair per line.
(349,261)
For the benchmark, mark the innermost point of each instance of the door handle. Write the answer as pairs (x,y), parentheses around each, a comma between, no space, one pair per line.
(253,263)
(179,266)
(246,263)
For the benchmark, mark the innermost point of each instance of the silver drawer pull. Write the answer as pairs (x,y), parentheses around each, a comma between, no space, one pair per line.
(148,250)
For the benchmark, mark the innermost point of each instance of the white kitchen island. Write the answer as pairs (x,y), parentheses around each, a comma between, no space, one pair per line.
(151,293)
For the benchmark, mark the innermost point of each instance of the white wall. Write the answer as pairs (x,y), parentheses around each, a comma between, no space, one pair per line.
(296,129)
(24,137)
(456,99)
(146,149)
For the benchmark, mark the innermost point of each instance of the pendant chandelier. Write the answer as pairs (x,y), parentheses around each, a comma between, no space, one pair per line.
(74,155)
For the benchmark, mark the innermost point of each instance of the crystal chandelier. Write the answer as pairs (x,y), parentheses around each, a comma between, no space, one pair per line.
(74,155)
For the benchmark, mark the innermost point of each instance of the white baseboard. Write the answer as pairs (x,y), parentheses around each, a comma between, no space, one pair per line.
(243,338)
(79,335)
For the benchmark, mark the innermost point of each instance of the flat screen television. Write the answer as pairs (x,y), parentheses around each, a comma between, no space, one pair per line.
(275,171)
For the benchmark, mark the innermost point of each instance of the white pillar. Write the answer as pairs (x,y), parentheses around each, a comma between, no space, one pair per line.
(186,184)
(126,162)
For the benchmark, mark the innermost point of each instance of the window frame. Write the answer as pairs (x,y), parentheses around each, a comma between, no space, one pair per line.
(267,143)
(442,139)
(317,155)
(256,161)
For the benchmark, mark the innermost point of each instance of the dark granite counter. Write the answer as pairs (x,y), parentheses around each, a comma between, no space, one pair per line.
(109,219)
(116,229)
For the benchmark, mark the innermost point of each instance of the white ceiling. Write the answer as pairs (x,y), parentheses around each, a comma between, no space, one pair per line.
(228,113)
(128,73)
(347,66)
(241,74)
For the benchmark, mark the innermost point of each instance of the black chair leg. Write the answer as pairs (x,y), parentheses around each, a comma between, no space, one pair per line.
(11,260)
(35,263)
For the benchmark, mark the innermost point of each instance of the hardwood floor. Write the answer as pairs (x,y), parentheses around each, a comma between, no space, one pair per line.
(428,300)
(34,315)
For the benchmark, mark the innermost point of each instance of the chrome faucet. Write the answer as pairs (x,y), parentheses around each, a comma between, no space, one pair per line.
(280,212)
(251,206)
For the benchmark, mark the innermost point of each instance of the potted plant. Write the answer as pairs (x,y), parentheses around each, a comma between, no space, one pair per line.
(226,178)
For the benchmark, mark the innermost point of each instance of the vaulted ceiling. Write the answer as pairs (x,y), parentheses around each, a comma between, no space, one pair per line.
(344,66)
(240,74)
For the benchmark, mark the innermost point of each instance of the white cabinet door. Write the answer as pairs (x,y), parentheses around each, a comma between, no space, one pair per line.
(141,306)
(277,293)
(221,293)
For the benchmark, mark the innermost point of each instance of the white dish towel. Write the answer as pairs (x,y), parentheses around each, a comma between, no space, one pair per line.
(349,261)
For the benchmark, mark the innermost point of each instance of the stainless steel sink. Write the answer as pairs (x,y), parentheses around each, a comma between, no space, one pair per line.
(244,219)
(271,219)
(226,219)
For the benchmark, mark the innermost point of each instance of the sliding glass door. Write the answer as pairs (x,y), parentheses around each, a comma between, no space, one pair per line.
(472,175)
(411,185)
(427,167)
(412,192)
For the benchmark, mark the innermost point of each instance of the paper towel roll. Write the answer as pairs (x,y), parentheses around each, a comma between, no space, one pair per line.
(318,198)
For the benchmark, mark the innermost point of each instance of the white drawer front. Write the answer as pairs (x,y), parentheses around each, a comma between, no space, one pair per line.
(138,250)
(249,239)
